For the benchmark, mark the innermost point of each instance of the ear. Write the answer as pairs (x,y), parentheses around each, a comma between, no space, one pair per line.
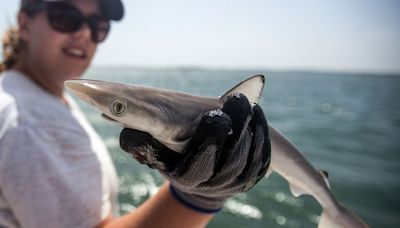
(23,26)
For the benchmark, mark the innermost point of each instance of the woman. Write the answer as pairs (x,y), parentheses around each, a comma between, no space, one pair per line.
(54,169)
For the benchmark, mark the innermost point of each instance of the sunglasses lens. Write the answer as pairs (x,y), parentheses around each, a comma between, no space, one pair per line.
(64,17)
(99,28)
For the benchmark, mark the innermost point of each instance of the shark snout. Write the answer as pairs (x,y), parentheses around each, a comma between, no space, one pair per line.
(91,91)
(82,86)
(75,86)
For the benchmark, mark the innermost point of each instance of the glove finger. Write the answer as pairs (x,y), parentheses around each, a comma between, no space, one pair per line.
(266,151)
(257,162)
(202,151)
(233,165)
(147,150)
(233,157)
(260,156)
(240,111)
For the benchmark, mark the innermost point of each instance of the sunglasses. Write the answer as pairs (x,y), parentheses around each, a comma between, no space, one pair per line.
(66,18)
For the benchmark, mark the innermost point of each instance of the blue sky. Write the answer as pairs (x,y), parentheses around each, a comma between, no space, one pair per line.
(340,35)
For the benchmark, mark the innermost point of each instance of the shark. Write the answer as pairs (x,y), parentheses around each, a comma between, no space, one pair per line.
(171,117)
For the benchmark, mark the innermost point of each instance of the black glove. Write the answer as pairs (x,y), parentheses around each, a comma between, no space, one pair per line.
(228,153)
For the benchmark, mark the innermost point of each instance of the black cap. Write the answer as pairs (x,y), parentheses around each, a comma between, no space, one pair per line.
(112,9)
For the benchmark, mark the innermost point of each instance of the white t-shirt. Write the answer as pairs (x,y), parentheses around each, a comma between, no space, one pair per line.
(55,171)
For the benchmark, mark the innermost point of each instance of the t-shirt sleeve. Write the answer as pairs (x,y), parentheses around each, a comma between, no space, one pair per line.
(44,185)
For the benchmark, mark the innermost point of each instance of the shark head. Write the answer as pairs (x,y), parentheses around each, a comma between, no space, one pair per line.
(169,116)
(120,103)
(108,97)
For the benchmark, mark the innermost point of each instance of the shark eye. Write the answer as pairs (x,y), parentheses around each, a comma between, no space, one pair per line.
(118,107)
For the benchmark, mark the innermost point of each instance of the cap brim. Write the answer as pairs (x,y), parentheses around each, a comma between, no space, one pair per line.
(112,9)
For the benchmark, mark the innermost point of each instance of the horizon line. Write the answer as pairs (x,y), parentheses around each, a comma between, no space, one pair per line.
(270,69)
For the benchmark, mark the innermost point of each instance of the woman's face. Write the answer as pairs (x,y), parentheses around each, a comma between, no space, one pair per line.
(53,57)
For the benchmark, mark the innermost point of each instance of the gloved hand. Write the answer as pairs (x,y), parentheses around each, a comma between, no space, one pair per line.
(228,153)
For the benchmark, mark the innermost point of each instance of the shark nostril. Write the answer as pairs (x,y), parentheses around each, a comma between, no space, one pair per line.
(118,107)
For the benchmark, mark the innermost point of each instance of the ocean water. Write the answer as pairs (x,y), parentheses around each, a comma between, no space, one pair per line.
(345,124)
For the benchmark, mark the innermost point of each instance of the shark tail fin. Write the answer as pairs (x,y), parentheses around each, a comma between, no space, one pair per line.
(252,88)
(343,218)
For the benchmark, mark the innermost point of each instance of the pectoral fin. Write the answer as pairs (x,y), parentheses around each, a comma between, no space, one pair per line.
(296,191)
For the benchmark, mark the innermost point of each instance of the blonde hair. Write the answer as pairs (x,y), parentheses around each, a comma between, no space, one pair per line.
(11,48)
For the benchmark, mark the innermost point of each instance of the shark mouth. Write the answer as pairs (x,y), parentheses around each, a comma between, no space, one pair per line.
(111,120)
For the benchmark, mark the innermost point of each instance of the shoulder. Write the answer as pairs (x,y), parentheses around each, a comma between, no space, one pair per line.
(17,86)
(27,103)
(8,108)
(8,113)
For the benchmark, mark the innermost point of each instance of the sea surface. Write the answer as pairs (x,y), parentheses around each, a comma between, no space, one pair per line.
(345,124)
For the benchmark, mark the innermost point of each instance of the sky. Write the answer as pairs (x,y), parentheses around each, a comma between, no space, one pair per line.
(339,35)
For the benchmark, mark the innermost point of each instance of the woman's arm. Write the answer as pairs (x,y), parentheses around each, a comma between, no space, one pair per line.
(162,210)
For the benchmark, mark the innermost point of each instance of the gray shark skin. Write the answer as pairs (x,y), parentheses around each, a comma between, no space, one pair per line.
(171,117)
(303,178)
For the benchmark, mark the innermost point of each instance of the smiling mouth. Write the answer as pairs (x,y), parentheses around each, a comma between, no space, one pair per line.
(75,53)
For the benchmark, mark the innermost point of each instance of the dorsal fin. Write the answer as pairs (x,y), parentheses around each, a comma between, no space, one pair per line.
(252,88)
(324,174)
